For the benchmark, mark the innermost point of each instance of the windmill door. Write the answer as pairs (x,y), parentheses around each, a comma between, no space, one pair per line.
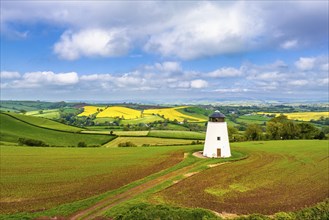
(219,152)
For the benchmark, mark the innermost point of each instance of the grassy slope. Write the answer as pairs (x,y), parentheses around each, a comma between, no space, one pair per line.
(11,129)
(34,178)
(278,176)
(50,113)
(250,119)
(46,123)
(139,141)
(177,134)
(195,112)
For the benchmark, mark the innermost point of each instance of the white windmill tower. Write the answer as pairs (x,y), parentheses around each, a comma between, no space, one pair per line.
(217,142)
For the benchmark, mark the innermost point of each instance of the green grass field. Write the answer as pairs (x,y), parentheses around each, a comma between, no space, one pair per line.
(153,141)
(177,134)
(50,113)
(277,176)
(252,119)
(45,123)
(37,178)
(11,129)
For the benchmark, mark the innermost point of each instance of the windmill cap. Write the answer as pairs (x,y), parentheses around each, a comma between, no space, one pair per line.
(217,114)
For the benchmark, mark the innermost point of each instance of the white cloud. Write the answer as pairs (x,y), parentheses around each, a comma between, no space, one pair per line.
(225,72)
(270,76)
(301,82)
(289,44)
(168,66)
(324,81)
(207,29)
(305,63)
(185,30)
(92,42)
(9,75)
(40,79)
(325,67)
(199,84)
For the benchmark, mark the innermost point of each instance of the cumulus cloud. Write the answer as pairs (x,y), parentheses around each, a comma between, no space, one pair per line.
(40,79)
(92,42)
(199,84)
(225,72)
(207,30)
(305,63)
(186,30)
(9,75)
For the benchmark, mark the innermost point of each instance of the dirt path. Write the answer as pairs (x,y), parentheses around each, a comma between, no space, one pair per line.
(99,208)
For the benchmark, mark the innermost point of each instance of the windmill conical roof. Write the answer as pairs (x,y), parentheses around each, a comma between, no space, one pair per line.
(217,114)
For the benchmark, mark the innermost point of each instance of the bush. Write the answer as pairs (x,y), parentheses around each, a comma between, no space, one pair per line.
(82,144)
(32,142)
(284,216)
(127,144)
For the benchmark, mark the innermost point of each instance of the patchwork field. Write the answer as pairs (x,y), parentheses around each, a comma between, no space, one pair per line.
(43,122)
(120,112)
(90,110)
(50,113)
(249,119)
(277,176)
(177,134)
(301,116)
(173,114)
(38,178)
(12,129)
(152,141)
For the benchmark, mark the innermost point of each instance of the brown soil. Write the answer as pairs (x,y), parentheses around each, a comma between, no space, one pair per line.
(99,208)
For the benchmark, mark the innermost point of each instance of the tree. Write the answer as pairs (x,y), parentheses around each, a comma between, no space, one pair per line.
(273,129)
(290,130)
(254,132)
(232,133)
(307,130)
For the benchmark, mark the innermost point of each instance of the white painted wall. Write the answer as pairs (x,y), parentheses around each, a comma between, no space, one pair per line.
(214,130)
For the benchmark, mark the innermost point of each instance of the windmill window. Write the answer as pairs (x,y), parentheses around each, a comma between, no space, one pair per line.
(218,138)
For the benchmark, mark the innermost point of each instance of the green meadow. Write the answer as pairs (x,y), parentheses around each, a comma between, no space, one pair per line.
(12,129)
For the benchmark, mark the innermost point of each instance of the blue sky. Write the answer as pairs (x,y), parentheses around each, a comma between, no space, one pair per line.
(189,51)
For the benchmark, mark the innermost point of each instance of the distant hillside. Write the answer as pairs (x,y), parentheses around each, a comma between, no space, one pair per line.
(12,129)
(45,123)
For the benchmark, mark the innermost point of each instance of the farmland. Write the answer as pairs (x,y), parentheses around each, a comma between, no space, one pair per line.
(173,114)
(177,134)
(121,112)
(45,123)
(36,178)
(301,116)
(51,113)
(101,178)
(286,175)
(12,129)
(90,110)
(152,141)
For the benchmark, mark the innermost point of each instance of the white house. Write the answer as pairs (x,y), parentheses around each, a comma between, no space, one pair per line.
(217,142)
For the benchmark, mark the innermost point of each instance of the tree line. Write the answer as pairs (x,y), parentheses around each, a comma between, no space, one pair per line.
(278,128)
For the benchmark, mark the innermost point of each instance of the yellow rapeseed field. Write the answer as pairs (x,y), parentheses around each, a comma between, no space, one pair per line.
(301,116)
(121,112)
(90,110)
(172,114)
